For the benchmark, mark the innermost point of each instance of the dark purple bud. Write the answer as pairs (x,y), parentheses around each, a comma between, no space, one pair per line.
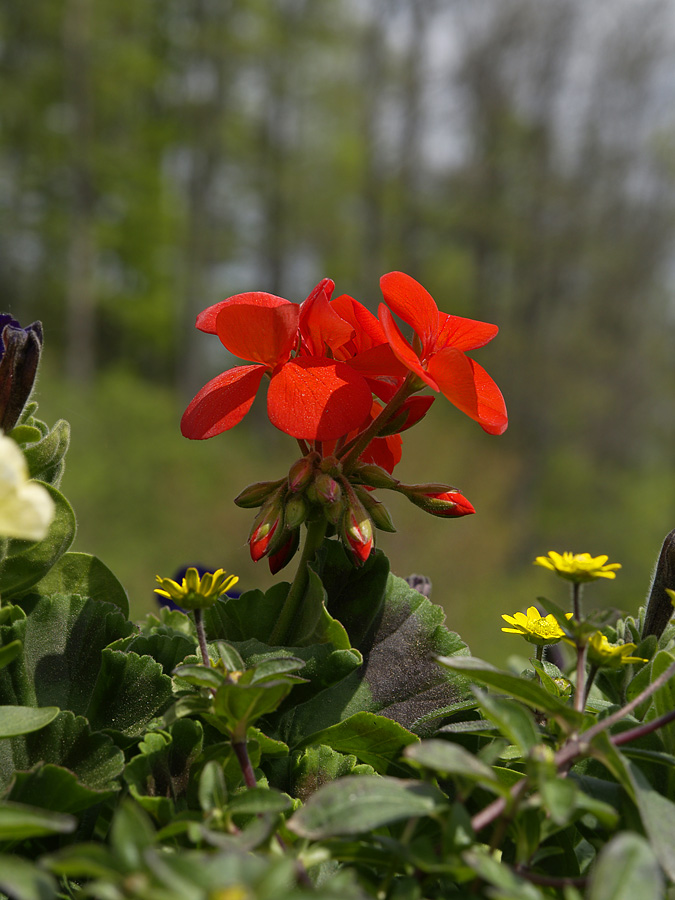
(19,357)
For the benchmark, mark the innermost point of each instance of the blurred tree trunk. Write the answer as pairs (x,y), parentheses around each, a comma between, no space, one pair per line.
(80,286)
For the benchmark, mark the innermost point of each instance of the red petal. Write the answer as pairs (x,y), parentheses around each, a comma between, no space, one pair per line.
(402,348)
(369,332)
(320,324)
(464,334)
(221,403)
(412,303)
(416,408)
(385,452)
(259,327)
(379,360)
(470,388)
(317,399)
(206,320)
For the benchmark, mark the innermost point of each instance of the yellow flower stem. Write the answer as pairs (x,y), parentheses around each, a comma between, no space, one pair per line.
(580,693)
(201,636)
(316,531)
(576,600)
(356,447)
(592,672)
(540,652)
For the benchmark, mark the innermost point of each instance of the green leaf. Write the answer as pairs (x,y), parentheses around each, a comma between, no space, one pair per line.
(81,573)
(359,804)
(66,741)
(45,455)
(319,764)
(658,817)
(16,720)
(509,886)
(451,759)
(22,880)
(528,692)
(374,740)
(27,563)
(18,822)
(131,833)
(514,721)
(258,801)
(10,652)
(212,788)
(626,868)
(559,797)
(56,788)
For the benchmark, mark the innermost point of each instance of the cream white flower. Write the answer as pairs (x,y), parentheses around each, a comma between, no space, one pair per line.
(26,508)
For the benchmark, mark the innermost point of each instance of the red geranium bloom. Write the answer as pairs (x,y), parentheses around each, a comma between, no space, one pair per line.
(310,395)
(441,361)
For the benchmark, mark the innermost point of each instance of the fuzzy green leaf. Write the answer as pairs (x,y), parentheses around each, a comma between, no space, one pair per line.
(15,720)
(451,759)
(626,868)
(81,573)
(358,804)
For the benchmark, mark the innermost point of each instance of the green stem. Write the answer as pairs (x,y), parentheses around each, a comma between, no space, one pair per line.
(201,636)
(592,672)
(316,531)
(407,388)
(576,600)
(580,694)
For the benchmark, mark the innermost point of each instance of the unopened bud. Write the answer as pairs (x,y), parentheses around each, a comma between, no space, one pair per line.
(328,491)
(295,511)
(266,525)
(356,531)
(285,553)
(375,477)
(301,472)
(377,511)
(438,499)
(256,494)
(414,409)
(20,350)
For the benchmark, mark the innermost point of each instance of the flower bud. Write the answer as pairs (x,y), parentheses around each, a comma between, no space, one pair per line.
(410,413)
(266,524)
(256,494)
(295,511)
(438,499)
(328,491)
(377,511)
(285,553)
(20,350)
(375,476)
(356,530)
(301,472)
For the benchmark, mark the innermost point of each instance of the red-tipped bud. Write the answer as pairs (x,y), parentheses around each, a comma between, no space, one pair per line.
(266,525)
(377,511)
(301,472)
(438,499)
(356,530)
(375,477)
(285,553)
(256,494)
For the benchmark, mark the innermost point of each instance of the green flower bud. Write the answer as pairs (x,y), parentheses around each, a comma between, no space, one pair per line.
(301,472)
(377,511)
(256,494)
(295,511)
(375,476)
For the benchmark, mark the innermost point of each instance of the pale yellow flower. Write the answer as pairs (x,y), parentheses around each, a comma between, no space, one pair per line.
(578,567)
(196,592)
(26,507)
(534,627)
(602,653)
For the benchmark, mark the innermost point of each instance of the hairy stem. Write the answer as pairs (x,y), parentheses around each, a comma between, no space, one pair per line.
(201,636)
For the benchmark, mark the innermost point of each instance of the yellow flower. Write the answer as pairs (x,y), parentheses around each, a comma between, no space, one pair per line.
(26,507)
(535,628)
(602,653)
(196,592)
(578,567)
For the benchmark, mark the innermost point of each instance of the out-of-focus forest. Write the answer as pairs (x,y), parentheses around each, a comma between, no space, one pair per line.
(517,157)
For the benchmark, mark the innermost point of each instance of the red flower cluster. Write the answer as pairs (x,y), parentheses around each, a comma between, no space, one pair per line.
(333,366)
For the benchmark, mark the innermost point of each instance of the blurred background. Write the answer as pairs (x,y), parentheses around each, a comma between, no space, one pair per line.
(517,157)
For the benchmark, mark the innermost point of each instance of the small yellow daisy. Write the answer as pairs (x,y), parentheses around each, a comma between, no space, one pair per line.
(534,627)
(578,567)
(196,592)
(603,654)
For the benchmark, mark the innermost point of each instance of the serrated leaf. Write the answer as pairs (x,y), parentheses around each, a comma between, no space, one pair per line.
(375,740)
(626,868)
(15,720)
(56,788)
(359,804)
(82,573)
(27,563)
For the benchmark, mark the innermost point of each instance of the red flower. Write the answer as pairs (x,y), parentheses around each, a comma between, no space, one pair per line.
(441,360)
(310,395)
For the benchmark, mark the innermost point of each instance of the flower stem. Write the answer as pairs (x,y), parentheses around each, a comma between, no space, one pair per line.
(201,636)
(576,600)
(407,388)
(580,694)
(316,531)
(241,752)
